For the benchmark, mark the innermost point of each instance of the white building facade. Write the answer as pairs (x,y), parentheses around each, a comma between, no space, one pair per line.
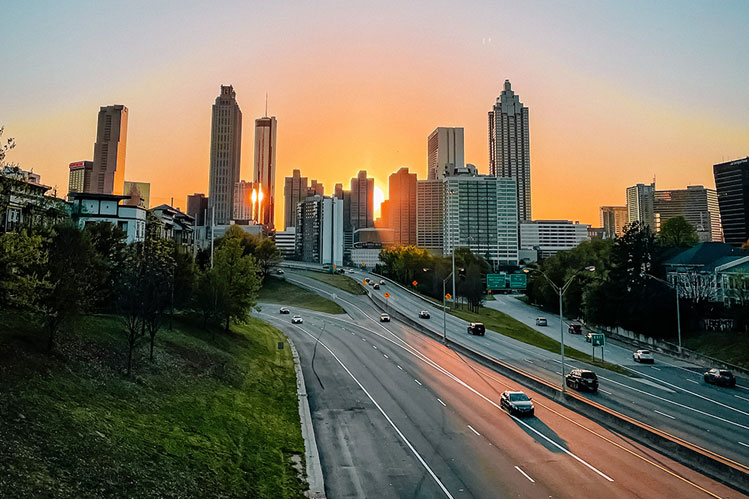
(550,236)
(92,208)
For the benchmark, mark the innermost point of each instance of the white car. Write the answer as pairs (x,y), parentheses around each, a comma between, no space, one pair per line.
(297,319)
(283,310)
(643,356)
(382,282)
(541,321)
(350,271)
(384,318)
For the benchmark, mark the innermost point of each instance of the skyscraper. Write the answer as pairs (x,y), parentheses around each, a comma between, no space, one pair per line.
(362,201)
(265,168)
(315,187)
(445,152)
(226,149)
(698,206)
(294,191)
(79,178)
(243,201)
(319,230)
(338,191)
(108,174)
(430,201)
(510,147)
(613,220)
(400,215)
(640,199)
(732,184)
(197,206)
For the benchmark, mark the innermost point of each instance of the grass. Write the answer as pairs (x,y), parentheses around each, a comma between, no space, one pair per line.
(507,326)
(339,281)
(212,416)
(283,292)
(731,347)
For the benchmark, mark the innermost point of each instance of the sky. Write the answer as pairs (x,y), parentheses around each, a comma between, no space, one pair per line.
(619,92)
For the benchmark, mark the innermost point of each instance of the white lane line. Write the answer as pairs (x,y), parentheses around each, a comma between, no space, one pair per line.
(557,361)
(385,355)
(525,474)
(742,443)
(742,398)
(474,430)
(418,382)
(664,414)
(653,367)
(604,391)
(399,367)
(528,361)
(364,339)
(400,434)
(441,402)
(693,381)
(373,346)
(558,373)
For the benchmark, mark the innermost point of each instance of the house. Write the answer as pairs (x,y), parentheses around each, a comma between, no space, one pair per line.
(177,226)
(89,208)
(24,203)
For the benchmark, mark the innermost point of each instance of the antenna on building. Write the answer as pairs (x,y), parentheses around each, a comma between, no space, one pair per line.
(266,104)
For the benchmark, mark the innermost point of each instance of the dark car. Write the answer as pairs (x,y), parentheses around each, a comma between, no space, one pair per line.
(517,403)
(376,286)
(476,328)
(284,310)
(575,328)
(424,314)
(720,377)
(582,379)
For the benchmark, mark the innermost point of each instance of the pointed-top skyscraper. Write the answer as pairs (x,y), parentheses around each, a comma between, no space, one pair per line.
(265,168)
(226,149)
(510,147)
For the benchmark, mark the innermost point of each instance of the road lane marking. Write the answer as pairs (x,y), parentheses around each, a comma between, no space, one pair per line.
(474,430)
(742,443)
(399,367)
(742,398)
(364,339)
(385,355)
(441,402)
(525,475)
(604,391)
(382,411)
(558,373)
(653,367)
(528,361)
(664,414)
(418,382)
(374,346)
(693,381)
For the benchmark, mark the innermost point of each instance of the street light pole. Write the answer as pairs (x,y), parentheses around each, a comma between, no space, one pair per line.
(444,309)
(675,286)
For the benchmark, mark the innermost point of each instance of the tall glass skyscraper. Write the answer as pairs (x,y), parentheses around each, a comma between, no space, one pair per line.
(732,184)
(226,148)
(265,168)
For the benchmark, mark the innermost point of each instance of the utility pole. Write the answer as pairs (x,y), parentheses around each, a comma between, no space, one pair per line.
(455,292)
(213,219)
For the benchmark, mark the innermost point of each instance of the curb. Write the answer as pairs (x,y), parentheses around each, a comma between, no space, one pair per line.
(311,454)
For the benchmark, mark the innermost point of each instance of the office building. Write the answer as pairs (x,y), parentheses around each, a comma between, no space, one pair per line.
(294,191)
(243,201)
(197,207)
(400,212)
(319,231)
(551,236)
(108,175)
(226,149)
(445,152)
(732,186)
(79,177)
(509,146)
(362,201)
(429,215)
(315,188)
(286,242)
(613,220)
(139,192)
(698,206)
(338,191)
(481,213)
(265,169)
(640,200)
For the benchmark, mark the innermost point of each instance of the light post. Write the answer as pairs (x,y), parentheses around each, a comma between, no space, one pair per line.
(444,309)
(675,287)
(561,291)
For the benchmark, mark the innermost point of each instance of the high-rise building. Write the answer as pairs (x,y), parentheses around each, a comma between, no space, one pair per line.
(338,191)
(481,213)
(319,230)
(79,178)
(362,201)
(698,206)
(640,199)
(265,168)
(509,146)
(294,191)
(401,209)
(197,207)
(226,150)
(445,152)
(139,192)
(732,185)
(286,242)
(550,236)
(315,188)
(430,201)
(243,201)
(108,175)
(613,220)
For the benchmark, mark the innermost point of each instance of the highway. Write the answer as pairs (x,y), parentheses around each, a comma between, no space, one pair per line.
(397,414)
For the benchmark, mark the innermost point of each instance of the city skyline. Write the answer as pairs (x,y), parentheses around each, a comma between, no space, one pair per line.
(356,121)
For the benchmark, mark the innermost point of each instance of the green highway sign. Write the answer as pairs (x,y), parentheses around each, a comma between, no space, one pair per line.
(597,340)
(518,281)
(496,281)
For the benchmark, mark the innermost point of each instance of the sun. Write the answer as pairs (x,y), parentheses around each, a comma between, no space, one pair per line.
(379,197)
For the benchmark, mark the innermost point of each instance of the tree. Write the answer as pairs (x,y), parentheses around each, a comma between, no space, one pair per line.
(677,232)
(109,245)
(9,144)
(267,255)
(130,298)
(237,276)
(22,257)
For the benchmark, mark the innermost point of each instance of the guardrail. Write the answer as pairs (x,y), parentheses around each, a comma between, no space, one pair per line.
(693,456)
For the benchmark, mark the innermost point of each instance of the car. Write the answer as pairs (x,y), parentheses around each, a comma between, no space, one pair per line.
(350,271)
(575,328)
(376,286)
(541,321)
(582,379)
(476,328)
(424,314)
(643,356)
(384,318)
(720,377)
(283,310)
(516,403)
(297,319)
(279,271)
(589,337)
(340,271)
(382,282)
(371,282)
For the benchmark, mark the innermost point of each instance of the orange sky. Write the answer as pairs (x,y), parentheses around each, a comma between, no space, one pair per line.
(362,90)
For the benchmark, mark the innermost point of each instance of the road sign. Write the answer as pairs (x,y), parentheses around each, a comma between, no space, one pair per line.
(496,281)
(597,339)
(415,283)
(387,295)
(518,281)
(448,296)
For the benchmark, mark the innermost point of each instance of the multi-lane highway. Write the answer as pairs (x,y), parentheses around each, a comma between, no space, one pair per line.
(397,414)
(669,395)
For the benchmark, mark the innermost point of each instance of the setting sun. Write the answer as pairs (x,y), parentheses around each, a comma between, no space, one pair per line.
(379,197)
